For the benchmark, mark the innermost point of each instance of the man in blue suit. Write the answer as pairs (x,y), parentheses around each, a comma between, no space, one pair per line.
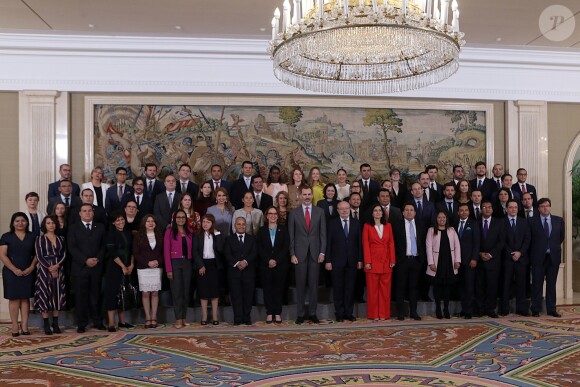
(522,187)
(343,259)
(515,259)
(118,194)
(65,172)
(545,255)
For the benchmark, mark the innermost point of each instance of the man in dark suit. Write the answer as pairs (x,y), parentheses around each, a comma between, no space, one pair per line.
(545,256)
(469,236)
(261,199)
(489,266)
(216,180)
(448,205)
(506,181)
(433,171)
(144,204)
(458,174)
(99,214)
(515,259)
(411,256)
(72,202)
(185,184)
(475,205)
(528,208)
(118,194)
(497,172)
(307,229)
(522,187)
(153,186)
(65,172)
(166,203)
(242,185)
(481,182)
(392,213)
(241,256)
(429,194)
(425,209)
(86,244)
(343,259)
(369,187)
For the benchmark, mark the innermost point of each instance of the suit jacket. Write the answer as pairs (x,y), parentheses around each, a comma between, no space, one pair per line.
(75,203)
(400,198)
(235,252)
(469,240)
(374,188)
(427,215)
(192,188)
(84,244)
(378,252)
(223,183)
(442,206)
(433,196)
(265,201)
(53,190)
(40,216)
(488,187)
(439,188)
(144,254)
(472,214)
(493,243)
(99,216)
(161,208)
(145,207)
(218,249)
(325,205)
(104,188)
(401,241)
(529,188)
(302,241)
(513,195)
(237,192)
(158,187)
(432,246)
(540,243)
(341,250)
(517,240)
(280,252)
(112,200)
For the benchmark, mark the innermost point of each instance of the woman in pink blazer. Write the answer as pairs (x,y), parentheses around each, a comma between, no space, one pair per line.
(443,261)
(379,260)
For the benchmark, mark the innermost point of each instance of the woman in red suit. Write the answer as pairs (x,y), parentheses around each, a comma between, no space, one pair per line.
(379,260)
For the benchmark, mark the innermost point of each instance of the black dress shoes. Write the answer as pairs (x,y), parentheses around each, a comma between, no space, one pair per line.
(523,314)
(300,320)
(401,318)
(81,329)
(314,319)
(492,315)
(554,314)
(339,319)
(351,318)
(535,314)
(100,327)
(467,316)
(416,317)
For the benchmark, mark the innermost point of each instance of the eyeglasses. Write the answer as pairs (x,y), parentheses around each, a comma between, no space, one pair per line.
(133,207)
(180,217)
(484,207)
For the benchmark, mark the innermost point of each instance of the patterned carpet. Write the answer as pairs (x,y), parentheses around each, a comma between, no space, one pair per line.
(511,351)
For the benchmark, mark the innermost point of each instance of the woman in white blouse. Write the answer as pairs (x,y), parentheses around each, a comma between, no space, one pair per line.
(254,217)
(99,188)
(274,183)
(342,187)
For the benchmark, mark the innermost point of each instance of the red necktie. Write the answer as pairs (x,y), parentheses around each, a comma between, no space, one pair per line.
(217,185)
(386,211)
(523,188)
(307,217)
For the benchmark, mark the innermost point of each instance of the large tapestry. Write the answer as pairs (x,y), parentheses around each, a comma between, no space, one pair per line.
(287,136)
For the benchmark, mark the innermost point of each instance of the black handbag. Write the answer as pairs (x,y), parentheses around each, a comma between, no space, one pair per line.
(128,295)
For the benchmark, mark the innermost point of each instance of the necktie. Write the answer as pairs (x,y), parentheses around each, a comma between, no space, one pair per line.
(477,213)
(120,192)
(356,214)
(138,200)
(216,184)
(432,185)
(546,228)
(523,188)
(419,207)
(528,214)
(258,200)
(450,207)
(241,239)
(35,224)
(170,195)
(67,202)
(386,210)
(485,228)
(307,218)
(150,188)
(248,183)
(330,209)
(413,240)
(345,227)
(498,183)
(89,226)
(366,187)
(426,194)
(183,187)
(461,225)
(479,184)
(513,224)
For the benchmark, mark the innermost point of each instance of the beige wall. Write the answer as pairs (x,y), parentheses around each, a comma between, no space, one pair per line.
(563,127)
(9,201)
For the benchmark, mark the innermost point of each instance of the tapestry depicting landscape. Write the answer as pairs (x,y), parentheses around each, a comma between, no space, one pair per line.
(288,136)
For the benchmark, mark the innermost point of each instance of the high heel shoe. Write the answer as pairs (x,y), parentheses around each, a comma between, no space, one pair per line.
(47,330)
(23,332)
(56,328)
(438,311)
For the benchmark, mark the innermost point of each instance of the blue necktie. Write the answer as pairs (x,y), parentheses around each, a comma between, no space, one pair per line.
(546,228)
(413,240)
(450,206)
(513,224)
(345,228)
(485,228)
(461,225)
(67,202)
(419,207)
(479,183)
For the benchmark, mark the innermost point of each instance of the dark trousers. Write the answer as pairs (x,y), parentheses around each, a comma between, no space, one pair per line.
(274,285)
(307,275)
(549,272)
(343,282)
(408,273)
(242,286)
(487,282)
(181,286)
(467,288)
(359,289)
(514,273)
(87,294)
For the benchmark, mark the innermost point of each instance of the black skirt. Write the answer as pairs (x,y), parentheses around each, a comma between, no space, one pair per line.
(208,285)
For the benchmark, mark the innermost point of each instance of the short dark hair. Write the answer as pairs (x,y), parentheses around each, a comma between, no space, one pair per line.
(520,169)
(31,195)
(247,162)
(150,165)
(544,200)
(184,165)
(137,179)
(449,184)
(512,201)
(335,191)
(119,169)
(254,177)
(86,189)
(17,215)
(506,175)
(216,165)
(431,166)
(457,166)
(364,165)
(480,163)
(54,218)
(354,193)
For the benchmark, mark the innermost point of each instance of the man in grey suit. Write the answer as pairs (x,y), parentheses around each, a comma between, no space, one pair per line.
(307,229)
(167,202)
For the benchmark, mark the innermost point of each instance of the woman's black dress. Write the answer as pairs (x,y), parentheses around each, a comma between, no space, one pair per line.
(21,253)
(444,274)
(119,244)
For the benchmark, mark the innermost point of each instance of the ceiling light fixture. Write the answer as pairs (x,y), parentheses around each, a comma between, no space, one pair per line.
(362,47)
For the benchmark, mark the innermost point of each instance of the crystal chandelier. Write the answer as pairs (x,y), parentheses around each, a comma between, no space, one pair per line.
(361,47)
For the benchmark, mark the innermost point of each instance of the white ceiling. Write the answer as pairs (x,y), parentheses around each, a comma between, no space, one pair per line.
(485,22)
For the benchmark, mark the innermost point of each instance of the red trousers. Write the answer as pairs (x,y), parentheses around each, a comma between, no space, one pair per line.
(378,295)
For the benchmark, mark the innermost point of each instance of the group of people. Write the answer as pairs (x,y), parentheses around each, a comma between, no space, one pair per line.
(479,236)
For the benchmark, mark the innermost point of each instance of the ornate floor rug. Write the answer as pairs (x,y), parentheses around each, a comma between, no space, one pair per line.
(510,351)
